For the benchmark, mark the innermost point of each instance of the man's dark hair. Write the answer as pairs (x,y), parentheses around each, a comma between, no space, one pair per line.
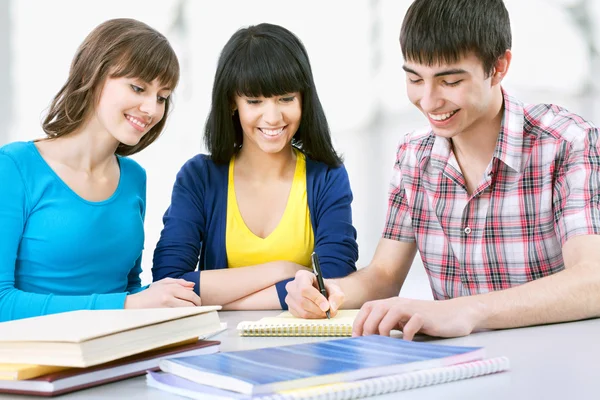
(444,31)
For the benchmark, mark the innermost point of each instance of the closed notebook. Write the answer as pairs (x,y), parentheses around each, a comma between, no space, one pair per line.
(90,337)
(338,391)
(17,372)
(72,379)
(285,324)
(275,369)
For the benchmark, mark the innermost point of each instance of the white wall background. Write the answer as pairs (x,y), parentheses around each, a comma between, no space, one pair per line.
(356,60)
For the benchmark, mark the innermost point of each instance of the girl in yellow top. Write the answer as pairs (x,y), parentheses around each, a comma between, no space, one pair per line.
(244,219)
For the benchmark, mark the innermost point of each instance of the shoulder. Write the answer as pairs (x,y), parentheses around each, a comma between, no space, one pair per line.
(132,168)
(556,122)
(202,165)
(17,151)
(320,171)
(414,146)
(201,172)
(21,158)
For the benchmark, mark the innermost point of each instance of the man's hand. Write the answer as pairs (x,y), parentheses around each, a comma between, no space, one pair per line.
(167,292)
(446,318)
(304,299)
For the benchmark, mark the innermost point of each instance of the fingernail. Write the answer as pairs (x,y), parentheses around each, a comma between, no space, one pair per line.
(324,306)
(333,305)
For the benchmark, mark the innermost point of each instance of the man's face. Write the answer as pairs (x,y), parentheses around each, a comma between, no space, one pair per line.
(455,98)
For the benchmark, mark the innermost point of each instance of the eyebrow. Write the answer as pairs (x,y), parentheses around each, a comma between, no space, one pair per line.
(453,71)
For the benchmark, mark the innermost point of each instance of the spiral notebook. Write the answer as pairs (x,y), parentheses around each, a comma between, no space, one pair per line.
(297,366)
(339,391)
(285,324)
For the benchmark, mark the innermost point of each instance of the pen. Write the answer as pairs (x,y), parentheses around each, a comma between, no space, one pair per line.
(317,270)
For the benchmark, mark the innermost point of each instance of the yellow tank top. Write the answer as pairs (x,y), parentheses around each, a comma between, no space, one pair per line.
(292,239)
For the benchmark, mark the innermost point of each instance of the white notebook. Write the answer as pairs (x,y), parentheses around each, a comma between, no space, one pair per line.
(339,391)
(285,324)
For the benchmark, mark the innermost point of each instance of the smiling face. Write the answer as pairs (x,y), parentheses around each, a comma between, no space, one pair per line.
(128,108)
(269,123)
(456,98)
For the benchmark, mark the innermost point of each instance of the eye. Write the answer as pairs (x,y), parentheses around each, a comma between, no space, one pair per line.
(136,89)
(288,99)
(161,99)
(252,101)
(415,81)
(452,84)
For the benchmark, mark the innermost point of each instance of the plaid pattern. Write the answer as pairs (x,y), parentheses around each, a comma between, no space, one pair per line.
(541,188)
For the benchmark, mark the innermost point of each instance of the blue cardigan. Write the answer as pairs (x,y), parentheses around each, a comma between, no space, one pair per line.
(194,224)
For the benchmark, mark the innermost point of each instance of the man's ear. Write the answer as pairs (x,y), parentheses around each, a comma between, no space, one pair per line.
(501,67)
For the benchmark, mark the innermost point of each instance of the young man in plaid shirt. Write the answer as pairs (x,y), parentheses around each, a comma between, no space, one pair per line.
(501,199)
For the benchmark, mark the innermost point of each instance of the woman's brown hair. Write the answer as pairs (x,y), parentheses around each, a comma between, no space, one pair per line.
(116,48)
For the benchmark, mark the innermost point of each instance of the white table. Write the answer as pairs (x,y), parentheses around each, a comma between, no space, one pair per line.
(558,361)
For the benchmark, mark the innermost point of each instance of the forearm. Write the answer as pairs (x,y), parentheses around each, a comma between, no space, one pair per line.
(370,283)
(569,295)
(16,304)
(242,282)
(265,299)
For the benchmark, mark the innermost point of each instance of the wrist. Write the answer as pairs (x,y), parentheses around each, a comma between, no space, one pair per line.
(131,301)
(477,311)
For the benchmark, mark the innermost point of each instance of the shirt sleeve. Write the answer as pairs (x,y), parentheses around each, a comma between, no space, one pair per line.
(176,254)
(335,235)
(576,194)
(14,303)
(398,223)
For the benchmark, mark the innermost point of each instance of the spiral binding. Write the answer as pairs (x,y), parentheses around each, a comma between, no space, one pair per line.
(395,383)
(254,329)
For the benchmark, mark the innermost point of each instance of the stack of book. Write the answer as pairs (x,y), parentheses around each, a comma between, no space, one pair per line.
(341,368)
(61,353)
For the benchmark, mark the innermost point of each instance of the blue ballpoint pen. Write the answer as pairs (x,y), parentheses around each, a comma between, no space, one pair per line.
(317,270)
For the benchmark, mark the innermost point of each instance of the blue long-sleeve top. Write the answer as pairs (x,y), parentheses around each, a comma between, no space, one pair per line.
(193,237)
(59,252)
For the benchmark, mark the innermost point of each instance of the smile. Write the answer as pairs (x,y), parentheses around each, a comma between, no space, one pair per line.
(272,132)
(442,117)
(137,123)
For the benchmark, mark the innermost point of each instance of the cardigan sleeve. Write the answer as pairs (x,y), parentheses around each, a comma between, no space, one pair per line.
(178,249)
(335,236)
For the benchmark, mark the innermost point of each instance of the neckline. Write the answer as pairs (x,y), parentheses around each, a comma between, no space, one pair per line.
(237,211)
(69,189)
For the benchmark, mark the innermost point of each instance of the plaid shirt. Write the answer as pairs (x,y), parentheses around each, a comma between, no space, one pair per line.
(541,188)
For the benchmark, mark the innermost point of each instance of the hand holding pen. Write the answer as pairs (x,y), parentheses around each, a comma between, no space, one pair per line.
(317,271)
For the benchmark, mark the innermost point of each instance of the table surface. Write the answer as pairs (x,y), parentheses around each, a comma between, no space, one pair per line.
(557,361)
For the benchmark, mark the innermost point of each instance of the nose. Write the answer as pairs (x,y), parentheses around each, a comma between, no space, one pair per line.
(430,98)
(149,106)
(272,114)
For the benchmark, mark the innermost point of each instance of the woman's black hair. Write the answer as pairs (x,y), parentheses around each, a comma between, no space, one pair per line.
(266,60)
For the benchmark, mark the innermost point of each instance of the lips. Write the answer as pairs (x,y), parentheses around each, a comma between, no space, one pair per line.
(137,123)
(272,133)
(442,117)
(442,120)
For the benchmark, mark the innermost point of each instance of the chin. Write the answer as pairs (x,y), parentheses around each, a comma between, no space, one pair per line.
(130,140)
(273,149)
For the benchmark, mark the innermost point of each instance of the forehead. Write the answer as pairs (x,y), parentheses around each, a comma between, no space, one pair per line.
(468,64)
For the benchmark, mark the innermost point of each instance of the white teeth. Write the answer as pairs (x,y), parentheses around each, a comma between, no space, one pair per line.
(136,121)
(271,132)
(442,117)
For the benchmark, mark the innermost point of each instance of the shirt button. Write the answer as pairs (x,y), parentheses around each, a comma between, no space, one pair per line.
(467,230)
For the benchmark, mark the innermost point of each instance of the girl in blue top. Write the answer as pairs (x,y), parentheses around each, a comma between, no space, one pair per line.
(72,205)
(244,219)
